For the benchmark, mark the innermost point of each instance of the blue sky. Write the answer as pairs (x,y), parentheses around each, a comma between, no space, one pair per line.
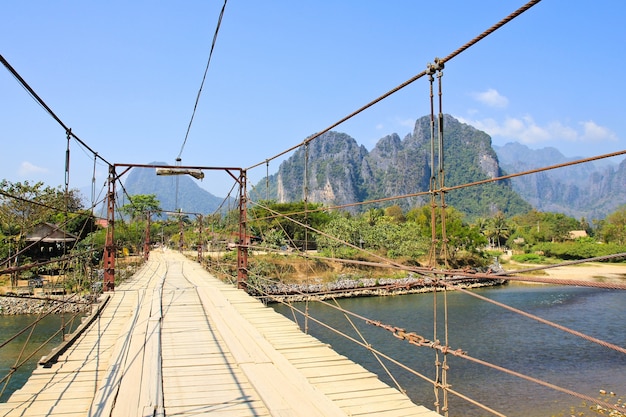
(124,76)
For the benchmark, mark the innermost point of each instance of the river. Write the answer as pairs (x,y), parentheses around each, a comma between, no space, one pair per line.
(481,329)
(45,329)
(495,335)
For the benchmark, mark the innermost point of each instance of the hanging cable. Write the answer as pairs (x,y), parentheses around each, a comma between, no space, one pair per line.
(432,256)
(195,106)
(67,203)
(437,384)
(267,180)
(306,221)
(444,238)
(93,184)
(412,79)
(444,365)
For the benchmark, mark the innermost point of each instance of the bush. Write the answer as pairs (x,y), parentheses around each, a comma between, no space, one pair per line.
(579,250)
(533,258)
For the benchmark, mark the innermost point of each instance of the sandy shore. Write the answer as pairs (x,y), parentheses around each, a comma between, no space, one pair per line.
(614,273)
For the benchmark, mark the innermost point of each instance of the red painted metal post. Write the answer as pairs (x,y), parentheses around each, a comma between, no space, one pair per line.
(109,245)
(244,239)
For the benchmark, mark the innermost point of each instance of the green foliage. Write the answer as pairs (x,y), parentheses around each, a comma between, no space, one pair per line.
(579,250)
(24,205)
(613,229)
(289,218)
(140,205)
(533,258)
(389,236)
(537,227)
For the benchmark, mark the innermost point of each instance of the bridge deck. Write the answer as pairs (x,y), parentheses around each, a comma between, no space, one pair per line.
(176,341)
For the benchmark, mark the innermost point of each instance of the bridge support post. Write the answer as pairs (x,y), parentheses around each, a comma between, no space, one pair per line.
(244,239)
(109,244)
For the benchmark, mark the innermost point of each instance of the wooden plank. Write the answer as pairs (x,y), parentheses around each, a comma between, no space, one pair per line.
(223,353)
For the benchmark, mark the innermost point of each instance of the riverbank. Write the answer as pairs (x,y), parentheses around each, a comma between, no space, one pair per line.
(591,272)
(12,305)
(349,288)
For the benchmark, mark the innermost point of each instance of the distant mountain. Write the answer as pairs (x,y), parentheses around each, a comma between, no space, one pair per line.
(190,198)
(339,171)
(590,190)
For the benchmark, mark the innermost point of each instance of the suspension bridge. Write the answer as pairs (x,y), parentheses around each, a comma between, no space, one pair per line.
(175,340)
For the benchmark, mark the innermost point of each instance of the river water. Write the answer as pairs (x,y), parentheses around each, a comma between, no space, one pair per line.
(45,329)
(481,329)
(495,335)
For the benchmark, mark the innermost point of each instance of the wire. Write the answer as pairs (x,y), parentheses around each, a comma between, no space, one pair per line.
(219,22)
(40,101)
(409,81)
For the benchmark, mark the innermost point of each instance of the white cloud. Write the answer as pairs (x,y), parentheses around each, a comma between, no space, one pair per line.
(492,98)
(26,168)
(594,133)
(526,130)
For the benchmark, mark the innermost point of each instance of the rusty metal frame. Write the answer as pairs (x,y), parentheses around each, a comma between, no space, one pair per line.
(110,249)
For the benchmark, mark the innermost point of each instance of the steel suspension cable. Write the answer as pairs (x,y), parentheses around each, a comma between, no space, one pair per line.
(195,106)
(383,355)
(410,80)
(420,341)
(442,186)
(471,184)
(437,383)
(432,256)
(380,362)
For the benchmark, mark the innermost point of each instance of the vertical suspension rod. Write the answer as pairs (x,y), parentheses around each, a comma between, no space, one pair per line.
(432,256)
(244,240)
(109,245)
(444,238)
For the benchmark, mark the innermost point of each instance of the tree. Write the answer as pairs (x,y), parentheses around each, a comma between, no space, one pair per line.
(23,205)
(140,204)
(395,213)
(613,229)
(536,227)
(288,217)
(498,229)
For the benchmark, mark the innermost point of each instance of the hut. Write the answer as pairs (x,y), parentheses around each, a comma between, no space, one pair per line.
(48,241)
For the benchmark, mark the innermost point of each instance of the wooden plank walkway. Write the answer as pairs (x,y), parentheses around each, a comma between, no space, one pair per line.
(175,341)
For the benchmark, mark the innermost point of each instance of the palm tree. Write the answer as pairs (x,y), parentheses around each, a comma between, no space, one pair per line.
(498,229)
